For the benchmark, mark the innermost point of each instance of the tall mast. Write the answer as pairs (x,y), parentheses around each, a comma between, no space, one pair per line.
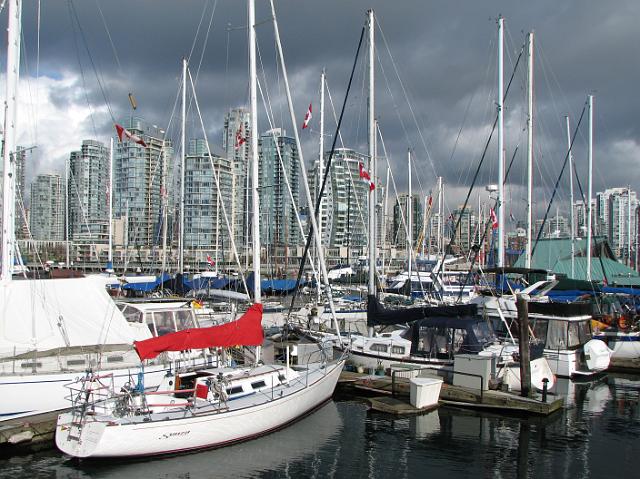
(110,188)
(409,221)
(372,154)
(500,204)
(303,172)
(590,188)
(573,221)
(255,187)
(10,125)
(320,164)
(529,151)
(440,229)
(183,152)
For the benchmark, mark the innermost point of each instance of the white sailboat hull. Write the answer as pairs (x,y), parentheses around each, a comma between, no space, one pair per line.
(104,438)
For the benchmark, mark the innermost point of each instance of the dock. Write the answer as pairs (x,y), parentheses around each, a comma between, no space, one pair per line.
(625,365)
(388,396)
(23,435)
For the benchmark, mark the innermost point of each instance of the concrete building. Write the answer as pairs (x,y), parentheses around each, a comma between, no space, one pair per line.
(88,193)
(400,220)
(140,179)
(204,224)
(21,213)
(236,143)
(278,160)
(47,208)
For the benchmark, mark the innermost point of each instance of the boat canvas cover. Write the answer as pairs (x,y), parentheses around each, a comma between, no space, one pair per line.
(46,314)
(246,331)
(377,314)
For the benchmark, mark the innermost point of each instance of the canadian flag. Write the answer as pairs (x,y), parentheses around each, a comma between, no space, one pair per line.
(210,261)
(123,132)
(364,174)
(430,201)
(240,140)
(307,118)
(494,218)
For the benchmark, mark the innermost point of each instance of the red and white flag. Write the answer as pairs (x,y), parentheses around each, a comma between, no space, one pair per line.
(494,218)
(124,133)
(364,174)
(307,118)
(240,140)
(210,261)
(430,201)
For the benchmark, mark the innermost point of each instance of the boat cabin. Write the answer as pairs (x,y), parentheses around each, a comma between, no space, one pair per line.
(161,318)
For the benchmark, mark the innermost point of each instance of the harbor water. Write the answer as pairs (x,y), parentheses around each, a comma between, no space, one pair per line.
(596,435)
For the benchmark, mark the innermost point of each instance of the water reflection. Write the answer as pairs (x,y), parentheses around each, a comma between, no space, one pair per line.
(597,433)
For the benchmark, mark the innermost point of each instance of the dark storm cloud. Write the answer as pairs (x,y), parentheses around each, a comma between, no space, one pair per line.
(444,52)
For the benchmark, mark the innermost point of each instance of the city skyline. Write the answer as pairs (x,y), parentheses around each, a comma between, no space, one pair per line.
(451,66)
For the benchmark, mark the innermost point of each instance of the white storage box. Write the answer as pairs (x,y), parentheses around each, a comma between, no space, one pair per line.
(425,392)
(475,365)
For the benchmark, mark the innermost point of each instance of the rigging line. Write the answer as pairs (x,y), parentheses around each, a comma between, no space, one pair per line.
(404,91)
(584,202)
(37,71)
(219,192)
(327,170)
(486,228)
(197,34)
(106,29)
(564,164)
(486,147)
(206,41)
(93,65)
(82,74)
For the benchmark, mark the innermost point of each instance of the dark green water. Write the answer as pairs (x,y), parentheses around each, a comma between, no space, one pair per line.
(596,435)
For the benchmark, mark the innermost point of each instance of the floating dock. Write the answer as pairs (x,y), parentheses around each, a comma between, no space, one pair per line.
(498,401)
(23,435)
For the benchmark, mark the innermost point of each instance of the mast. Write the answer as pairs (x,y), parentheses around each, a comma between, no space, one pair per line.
(372,154)
(10,125)
(529,151)
(440,231)
(409,221)
(183,152)
(500,203)
(255,200)
(573,221)
(303,172)
(590,187)
(110,228)
(320,166)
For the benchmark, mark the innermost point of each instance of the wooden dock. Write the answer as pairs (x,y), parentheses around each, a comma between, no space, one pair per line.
(497,401)
(30,434)
(625,365)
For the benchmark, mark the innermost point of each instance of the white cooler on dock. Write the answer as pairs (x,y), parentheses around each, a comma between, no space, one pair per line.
(425,392)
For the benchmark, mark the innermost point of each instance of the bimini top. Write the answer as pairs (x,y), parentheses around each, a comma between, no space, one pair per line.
(378,315)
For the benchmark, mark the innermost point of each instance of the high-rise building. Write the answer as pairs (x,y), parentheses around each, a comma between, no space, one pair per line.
(236,143)
(140,179)
(204,223)
(47,208)
(466,233)
(87,193)
(345,209)
(401,218)
(279,160)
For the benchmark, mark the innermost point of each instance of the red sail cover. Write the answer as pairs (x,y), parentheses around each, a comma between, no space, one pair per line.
(246,331)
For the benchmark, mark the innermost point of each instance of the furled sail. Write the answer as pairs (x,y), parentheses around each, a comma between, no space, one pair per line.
(246,331)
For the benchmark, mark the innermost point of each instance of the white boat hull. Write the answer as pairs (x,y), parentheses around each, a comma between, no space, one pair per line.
(101,439)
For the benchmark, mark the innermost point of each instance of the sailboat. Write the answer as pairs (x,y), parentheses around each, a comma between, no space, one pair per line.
(205,407)
(53,330)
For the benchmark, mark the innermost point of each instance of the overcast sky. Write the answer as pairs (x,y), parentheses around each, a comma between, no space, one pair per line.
(436,79)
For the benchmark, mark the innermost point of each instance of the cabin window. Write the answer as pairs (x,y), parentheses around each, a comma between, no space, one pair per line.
(397,349)
(557,334)
(258,384)
(164,322)
(483,333)
(584,331)
(380,348)
(184,320)
(540,330)
(132,315)
(573,338)
(459,341)
(234,390)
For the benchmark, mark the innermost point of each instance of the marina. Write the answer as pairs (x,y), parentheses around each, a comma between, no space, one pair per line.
(227,288)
